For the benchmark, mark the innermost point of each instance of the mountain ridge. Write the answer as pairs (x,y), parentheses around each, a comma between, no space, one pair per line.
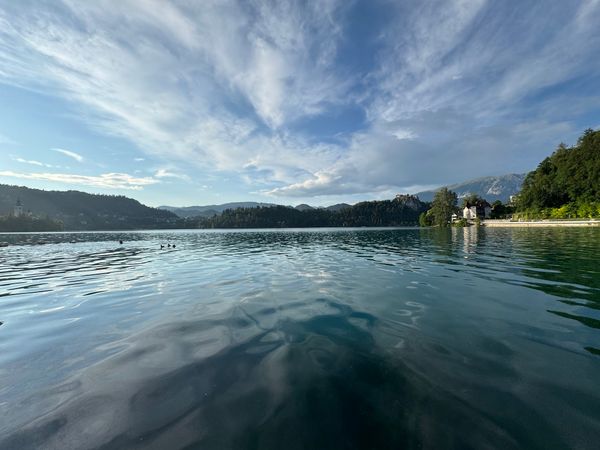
(83,211)
(491,188)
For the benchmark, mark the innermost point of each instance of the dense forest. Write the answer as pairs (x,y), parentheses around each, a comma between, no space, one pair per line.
(28,223)
(81,211)
(566,184)
(403,210)
(73,210)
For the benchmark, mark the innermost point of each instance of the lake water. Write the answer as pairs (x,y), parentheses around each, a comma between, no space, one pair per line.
(301,339)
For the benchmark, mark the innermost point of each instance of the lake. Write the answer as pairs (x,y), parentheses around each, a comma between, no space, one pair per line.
(293,339)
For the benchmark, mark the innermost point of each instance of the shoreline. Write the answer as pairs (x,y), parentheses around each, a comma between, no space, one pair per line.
(541,223)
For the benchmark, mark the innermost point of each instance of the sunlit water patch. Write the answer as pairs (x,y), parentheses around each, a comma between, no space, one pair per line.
(405,338)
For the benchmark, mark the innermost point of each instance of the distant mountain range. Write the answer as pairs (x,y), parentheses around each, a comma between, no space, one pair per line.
(489,188)
(211,210)
(82,211)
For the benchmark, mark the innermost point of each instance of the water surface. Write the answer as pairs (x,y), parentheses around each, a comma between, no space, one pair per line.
(333,339)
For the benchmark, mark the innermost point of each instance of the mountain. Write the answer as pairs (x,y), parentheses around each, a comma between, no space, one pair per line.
(489,188)
(338,207)
(565,185)
(401,211)
(211,210)
(83,211)
(304,207)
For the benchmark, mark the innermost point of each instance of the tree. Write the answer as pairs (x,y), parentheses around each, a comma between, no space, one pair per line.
(571,175)
(442,207)
(425,219)
(499,210)
(470,199)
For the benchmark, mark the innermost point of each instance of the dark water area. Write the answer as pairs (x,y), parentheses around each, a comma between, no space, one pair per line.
(301,339)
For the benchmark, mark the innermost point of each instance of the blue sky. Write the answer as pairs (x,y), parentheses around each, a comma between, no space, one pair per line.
(186,103)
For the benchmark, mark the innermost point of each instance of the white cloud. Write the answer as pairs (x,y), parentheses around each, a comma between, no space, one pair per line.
(106,180)
(164,173)
(29,161)
(217,84)
(224,85)
(76,156)
(32,162)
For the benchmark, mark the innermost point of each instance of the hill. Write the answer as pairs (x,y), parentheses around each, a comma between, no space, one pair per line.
(83,211)
(490,188)
(566,184)
(338,207)
(304,207)
(403,210)
(211,210)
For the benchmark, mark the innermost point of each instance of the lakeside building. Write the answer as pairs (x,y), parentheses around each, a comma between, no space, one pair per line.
(478,210)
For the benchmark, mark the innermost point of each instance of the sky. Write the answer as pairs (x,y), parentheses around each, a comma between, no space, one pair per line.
(200,102)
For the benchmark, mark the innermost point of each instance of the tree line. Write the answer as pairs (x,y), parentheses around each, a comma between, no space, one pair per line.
(402,211)
(82,211)
(27,223)
(565,184)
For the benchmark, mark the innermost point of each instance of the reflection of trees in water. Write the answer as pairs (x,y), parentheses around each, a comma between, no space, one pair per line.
(323,383)
(439,240)
(566,260)
(567,256)
(452,241)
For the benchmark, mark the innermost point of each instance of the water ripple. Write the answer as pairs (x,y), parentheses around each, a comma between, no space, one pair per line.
(359,338)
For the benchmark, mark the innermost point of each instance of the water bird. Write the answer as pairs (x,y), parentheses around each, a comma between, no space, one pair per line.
(169,245)
(120,242)
(162,246)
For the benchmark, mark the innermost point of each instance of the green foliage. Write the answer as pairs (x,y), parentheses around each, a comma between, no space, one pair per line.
(28,223)
(460,223)
(501,211)
(566,184)
(425,219)
(365,214)
(575,210)
(442,207)
(471,199)
(82,211)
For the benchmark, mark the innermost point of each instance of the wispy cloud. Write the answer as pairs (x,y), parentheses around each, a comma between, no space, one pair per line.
(29,161)
(241,73)
(76,156)
(106,180)
(33,162)
(164,173)
(448,89)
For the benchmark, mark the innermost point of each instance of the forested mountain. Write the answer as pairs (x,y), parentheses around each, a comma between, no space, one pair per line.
(210,210)
(490,188)
(304,207)
(403,210)
(338,207)
(27,223)
(567,183)
(82,211)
